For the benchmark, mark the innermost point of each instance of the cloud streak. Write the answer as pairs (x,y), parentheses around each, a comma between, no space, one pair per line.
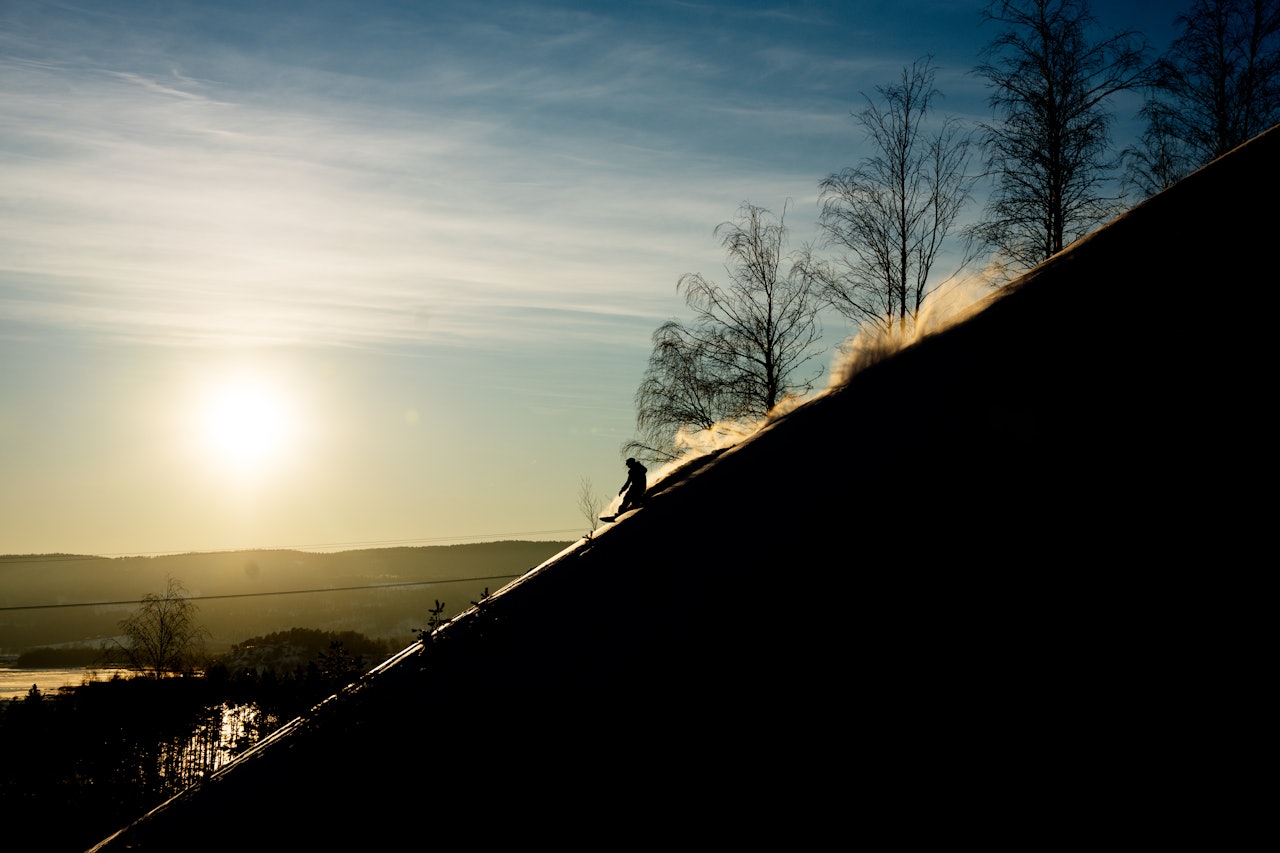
(133,189)
(343,198)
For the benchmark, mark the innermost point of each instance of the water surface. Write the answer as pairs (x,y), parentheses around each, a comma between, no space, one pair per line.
(17,682)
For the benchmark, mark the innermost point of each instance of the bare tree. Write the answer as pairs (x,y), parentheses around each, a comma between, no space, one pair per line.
(681,389)
(589,504)
(1160,159)
(1217,87)
(893,213)
(162,637)
(1049,150)
(743,351)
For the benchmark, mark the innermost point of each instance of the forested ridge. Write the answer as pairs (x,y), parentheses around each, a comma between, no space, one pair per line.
(383,592)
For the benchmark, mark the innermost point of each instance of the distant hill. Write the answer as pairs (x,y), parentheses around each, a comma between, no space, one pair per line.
(994,527)
(246,593)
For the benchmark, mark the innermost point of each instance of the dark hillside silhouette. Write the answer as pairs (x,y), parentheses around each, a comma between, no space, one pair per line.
(987,624)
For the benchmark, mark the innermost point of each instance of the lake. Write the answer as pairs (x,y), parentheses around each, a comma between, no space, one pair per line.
(17,682)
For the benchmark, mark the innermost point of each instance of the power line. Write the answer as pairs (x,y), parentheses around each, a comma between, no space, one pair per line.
(262,594)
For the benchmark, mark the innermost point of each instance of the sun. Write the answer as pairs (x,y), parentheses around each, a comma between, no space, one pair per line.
(246,424)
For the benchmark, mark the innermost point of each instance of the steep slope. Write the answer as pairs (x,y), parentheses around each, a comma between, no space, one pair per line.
(926,599)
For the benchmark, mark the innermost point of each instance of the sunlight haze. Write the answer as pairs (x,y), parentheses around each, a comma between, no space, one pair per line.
(344,274)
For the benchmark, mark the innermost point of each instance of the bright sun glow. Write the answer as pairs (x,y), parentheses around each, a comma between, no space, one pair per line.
(246,424)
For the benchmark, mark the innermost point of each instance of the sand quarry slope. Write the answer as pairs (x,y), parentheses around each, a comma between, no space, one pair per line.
(929,599)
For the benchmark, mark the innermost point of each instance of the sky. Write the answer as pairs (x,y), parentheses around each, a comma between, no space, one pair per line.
(339,275)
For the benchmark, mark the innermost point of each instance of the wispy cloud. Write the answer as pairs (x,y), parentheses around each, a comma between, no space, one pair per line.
(130,188)
(449,168)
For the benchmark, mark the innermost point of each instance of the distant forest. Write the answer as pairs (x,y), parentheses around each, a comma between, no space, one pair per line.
(64,600)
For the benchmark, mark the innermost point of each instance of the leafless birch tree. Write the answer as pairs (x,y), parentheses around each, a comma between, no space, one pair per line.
(746,347)
(892,213)
(162,637)
(1049,147)
(1217,87)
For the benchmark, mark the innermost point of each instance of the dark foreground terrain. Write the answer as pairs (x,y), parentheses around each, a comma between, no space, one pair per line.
(993,526)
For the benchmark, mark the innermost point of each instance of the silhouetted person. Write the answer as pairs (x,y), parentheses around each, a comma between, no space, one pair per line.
(634,486)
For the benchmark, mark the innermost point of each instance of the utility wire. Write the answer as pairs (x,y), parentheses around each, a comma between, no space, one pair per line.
(262,594)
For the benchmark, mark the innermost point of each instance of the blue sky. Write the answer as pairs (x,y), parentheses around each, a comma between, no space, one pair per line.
(355,274)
